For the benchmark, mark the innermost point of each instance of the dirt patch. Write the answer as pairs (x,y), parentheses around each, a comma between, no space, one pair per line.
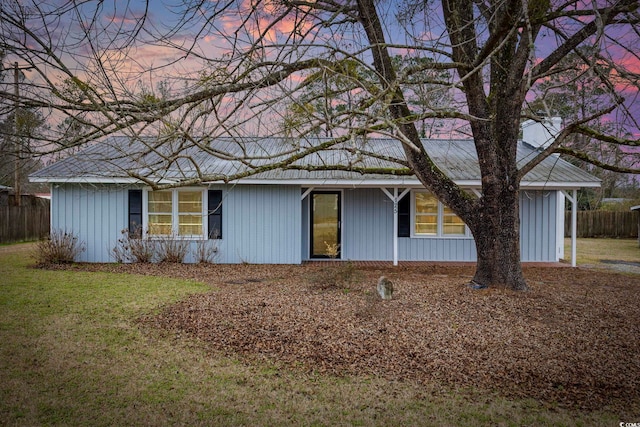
(573,339)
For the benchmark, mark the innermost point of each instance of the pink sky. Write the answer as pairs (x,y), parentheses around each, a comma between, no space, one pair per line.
(145,57)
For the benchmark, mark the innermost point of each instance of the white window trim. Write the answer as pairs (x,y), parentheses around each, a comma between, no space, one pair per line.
(175,215)
(440,222)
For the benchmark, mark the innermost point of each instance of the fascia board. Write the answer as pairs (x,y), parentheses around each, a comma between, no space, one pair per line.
(319,182)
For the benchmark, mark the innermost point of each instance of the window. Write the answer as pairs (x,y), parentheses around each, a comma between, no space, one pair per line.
(160,213)
(432,218)
(190,213)
(178,211)
(426,214)
(451,223)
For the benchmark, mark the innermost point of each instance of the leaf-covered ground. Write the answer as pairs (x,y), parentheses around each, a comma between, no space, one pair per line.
(573,339)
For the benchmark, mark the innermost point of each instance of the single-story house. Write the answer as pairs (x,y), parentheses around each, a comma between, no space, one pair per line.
(291,216)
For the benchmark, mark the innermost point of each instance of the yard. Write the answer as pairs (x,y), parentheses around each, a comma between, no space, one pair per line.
(312,345)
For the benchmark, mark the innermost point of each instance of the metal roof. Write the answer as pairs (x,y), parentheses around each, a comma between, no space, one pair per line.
(116,158)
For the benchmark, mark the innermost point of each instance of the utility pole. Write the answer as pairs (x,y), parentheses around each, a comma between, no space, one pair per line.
(16,88)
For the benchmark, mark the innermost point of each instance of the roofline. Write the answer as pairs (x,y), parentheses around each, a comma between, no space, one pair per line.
(398,182)
(408,183)
(559,185)
(86,180)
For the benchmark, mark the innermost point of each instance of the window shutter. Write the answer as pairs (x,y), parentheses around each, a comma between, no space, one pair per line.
(135,213)
(214,210)
(404,216)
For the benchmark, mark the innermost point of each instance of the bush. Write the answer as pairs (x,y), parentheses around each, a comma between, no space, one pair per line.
(334,275)
(60,247)
(171,249)
(132,248)
(206,251)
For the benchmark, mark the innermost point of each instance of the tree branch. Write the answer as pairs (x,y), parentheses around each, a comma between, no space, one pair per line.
(608,16)
(591,160)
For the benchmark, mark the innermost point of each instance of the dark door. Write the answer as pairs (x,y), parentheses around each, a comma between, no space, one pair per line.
(325,224)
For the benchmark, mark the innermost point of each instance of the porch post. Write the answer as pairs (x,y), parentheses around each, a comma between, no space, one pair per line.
(394,198)
(573,198)
(395,225)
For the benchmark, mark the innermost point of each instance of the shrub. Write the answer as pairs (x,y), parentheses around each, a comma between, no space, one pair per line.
(131,247)
(60,247)
(335,275)
(171,249)
(206,251)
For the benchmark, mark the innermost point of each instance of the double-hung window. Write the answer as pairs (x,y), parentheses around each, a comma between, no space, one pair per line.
(452,225)
(188,213)
(176,212)
(431,218)
(160,208)
(426,214)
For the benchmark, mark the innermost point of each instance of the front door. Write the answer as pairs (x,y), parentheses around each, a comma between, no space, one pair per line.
(325,224)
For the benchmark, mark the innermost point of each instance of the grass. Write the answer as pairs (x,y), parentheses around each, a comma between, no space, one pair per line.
(594,251)
(72,353)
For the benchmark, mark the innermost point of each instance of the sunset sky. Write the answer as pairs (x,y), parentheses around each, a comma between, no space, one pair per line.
(189,48)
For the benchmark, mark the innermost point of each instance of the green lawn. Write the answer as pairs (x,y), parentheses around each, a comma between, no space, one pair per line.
(72,353)
(594,251)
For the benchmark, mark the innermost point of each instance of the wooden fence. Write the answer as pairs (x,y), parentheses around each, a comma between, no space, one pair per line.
(603,224)
(30,221)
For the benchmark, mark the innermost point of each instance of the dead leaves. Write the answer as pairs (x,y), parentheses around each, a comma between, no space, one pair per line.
(573,339)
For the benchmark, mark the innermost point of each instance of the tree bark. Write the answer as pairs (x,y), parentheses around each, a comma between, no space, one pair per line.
(496,232)
(496,224)
(494,219)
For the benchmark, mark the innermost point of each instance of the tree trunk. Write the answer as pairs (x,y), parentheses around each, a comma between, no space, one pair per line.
(497,237)
(494,219)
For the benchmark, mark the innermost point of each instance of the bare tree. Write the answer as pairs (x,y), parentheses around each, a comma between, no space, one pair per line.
(16,165)
(17,127)
(234,68)
(577,93)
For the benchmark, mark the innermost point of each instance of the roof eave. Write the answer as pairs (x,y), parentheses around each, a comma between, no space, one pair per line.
(87,180)
(409,182)
(363,182)
(527,185)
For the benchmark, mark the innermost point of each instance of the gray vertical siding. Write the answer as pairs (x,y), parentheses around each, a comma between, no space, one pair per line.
(269,224)
(94,213)
(538,219)
(367,220)
(367,225)
(560,207)
(261,224)
(436,249)
(367,233)
(538,222)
